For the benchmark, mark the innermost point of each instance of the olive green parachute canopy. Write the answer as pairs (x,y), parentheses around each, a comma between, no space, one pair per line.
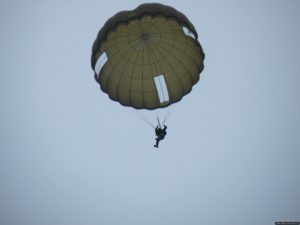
(147,58)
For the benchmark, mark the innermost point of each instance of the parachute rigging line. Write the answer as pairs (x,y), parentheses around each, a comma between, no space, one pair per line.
(144,119)
(157,117)
(168,114)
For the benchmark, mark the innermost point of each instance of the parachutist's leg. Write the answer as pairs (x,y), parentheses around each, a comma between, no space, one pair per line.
(157,142)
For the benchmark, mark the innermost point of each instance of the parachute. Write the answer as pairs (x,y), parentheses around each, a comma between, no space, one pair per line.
(147,58)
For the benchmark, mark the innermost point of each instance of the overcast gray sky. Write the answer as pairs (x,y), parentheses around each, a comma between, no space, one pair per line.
(69,155)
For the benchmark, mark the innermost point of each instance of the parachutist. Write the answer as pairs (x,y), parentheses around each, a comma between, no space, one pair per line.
(160,133)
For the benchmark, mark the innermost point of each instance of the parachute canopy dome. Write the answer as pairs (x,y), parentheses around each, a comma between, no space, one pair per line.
(147,58)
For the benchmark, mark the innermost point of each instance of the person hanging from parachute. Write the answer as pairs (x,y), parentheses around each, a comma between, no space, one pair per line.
(160,134)
(147,58)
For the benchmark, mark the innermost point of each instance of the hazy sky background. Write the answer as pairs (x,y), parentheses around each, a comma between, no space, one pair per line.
(69,155)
